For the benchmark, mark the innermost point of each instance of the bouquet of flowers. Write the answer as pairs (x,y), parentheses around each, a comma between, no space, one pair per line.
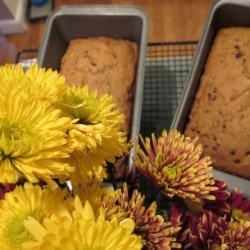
(54,137)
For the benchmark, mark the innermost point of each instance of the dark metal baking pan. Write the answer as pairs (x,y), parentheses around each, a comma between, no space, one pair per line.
(223,13)
(82,21)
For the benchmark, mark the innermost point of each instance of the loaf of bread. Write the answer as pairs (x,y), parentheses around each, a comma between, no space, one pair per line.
(220,114)
(104,64)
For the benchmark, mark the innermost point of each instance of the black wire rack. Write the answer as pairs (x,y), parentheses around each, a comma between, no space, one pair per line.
(26,57)
(167,66)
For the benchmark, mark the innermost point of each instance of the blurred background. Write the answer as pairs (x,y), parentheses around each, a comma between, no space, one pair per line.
(22,21)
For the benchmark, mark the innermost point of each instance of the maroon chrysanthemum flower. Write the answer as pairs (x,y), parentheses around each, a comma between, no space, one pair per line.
(207,231)
(212,232)
(156,233)
(173,163)
(178,214)
(240,206)
(220,205)
(179,217)
(237,235)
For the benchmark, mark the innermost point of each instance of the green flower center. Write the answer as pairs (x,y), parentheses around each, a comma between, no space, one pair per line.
(11,130)
(237,213)
(15,232)
(89,101)
(75,100)
(13,137)
(171,172)
(89,107)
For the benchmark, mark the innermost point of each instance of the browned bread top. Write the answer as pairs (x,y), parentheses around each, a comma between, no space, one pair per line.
(220,114)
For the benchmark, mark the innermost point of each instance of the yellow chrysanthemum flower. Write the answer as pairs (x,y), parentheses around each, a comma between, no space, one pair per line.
(90,189)
(11,76)
(33,139)
(46,85)
(24,202)
(81,230)
(80,103)
(97,128)
(95,137)
(86,169)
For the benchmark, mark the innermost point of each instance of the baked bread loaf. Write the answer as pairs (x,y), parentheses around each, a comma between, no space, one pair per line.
(105,64)
(220,114)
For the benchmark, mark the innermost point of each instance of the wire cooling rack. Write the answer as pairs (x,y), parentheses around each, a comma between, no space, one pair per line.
(167,66)
(26,57)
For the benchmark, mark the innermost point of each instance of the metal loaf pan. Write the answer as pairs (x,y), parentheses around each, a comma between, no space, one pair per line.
(82,21)
(223,13)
